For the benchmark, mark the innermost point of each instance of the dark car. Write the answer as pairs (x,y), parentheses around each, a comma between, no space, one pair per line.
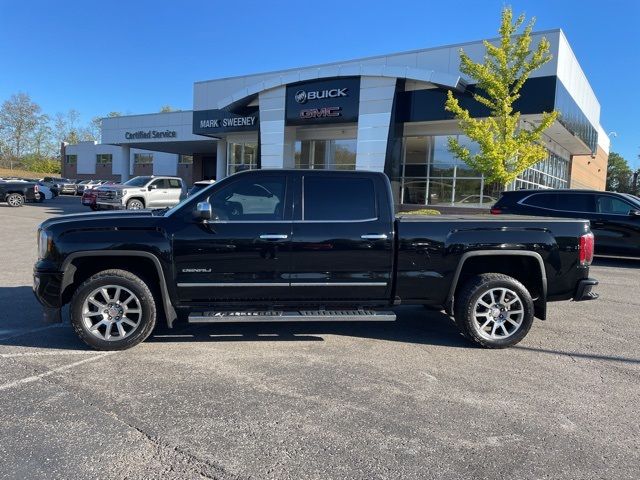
(17,192)
(615,217)
(308,246)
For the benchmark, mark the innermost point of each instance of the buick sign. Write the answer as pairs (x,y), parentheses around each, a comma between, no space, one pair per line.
(332,100)
(301,96)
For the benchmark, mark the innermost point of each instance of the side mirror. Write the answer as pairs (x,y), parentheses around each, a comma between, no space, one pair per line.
(152,187)
(204,211)
(634,213)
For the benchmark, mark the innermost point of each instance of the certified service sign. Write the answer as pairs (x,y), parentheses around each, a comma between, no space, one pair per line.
(333,100)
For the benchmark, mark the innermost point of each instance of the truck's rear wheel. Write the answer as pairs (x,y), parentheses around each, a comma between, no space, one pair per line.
(113,310)
(494,310)
(15,200)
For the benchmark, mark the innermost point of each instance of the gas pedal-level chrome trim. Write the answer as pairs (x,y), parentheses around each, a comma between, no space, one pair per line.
(283,284)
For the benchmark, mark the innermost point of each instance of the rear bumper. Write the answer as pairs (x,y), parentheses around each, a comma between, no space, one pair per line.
(109,204)
(584,290)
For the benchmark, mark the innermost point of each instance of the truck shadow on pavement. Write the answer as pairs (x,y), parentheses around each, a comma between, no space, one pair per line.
(616,262)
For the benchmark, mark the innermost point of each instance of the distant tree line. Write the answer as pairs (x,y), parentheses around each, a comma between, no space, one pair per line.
(30,139)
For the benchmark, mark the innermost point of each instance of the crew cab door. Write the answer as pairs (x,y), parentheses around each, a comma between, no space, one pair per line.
(244,252)
(158,191)
(342,247)
(174,192)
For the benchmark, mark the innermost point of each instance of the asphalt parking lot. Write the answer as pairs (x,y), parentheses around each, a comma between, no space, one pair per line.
(410,399)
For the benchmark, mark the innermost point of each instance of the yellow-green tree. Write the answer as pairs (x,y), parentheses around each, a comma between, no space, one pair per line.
(506,148)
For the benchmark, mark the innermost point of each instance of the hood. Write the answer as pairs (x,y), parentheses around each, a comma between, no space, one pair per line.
(99,219)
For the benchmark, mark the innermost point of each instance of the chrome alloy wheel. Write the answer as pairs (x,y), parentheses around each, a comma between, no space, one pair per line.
(135,205)
(15,200)
(498,313)
(111,312)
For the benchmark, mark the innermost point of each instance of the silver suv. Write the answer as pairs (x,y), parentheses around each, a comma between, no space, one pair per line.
(142,192)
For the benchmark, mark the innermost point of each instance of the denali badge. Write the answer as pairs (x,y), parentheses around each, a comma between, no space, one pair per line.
(301,96)
(196,270)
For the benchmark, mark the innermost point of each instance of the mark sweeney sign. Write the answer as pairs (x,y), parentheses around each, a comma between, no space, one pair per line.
(333,100)
(212,122)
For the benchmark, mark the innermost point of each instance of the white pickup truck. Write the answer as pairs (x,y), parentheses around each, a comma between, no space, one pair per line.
(142,192)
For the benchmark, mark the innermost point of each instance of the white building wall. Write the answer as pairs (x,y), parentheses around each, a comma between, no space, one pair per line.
(443,60)
(272,137)
(575,81)
(114,129)
(87,151)
(376,102)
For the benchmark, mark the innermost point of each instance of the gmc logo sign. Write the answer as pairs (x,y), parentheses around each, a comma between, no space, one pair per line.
(320,112)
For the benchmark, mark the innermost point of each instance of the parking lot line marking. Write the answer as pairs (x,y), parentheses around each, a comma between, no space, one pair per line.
(40,376)
(46,354)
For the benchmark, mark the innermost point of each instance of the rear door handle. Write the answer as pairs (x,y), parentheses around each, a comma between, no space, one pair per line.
(269,236)
(374,236)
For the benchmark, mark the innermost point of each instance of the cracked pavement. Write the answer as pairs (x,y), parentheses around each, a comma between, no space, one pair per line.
(410,399)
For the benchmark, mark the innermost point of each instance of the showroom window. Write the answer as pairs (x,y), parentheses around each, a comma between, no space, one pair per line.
(431,175)
(326,154)
(241,156)
(142,158)
(71,159)
(104,158)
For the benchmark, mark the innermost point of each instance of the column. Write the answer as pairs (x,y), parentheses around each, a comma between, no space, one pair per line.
(272,131)
(125,166)
(221,159)
(376,103)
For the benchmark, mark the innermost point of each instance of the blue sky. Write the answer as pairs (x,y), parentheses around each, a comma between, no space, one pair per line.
(136,56)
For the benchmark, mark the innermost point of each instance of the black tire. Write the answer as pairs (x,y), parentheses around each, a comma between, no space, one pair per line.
(134,201)
(479,288)
(128,281)
(15,200)
(94,207)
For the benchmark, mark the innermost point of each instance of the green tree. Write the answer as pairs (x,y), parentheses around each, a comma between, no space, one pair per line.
(619,174)
(19,118)
(166,109)
(506,146)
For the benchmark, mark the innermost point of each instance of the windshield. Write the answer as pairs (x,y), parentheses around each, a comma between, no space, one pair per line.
(137,181)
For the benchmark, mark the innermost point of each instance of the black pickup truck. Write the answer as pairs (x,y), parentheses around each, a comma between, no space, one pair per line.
(299,245)
(15,193)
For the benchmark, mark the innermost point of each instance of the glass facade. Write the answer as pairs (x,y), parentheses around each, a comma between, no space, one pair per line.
(326,154)
(241,156)
(431,175)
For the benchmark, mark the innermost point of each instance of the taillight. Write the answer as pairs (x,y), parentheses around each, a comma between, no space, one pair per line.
(36,189)
(495,211)
(585,249)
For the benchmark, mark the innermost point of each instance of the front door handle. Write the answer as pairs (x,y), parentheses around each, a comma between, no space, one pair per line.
(270,236)
(374,236)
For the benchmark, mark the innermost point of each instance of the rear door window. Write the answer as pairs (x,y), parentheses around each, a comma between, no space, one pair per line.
(576,202)
(339,198)
(174,183)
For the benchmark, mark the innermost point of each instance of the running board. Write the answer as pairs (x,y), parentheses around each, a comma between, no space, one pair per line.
(293,316)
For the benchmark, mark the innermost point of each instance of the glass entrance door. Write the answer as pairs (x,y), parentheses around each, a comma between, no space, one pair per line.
(326,154)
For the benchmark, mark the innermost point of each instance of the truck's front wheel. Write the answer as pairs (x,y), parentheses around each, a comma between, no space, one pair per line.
(113,310)
(494,310)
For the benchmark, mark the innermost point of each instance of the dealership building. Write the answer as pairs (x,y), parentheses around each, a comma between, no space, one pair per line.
(383,113)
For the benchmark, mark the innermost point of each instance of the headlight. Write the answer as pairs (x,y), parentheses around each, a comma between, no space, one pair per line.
(44,243)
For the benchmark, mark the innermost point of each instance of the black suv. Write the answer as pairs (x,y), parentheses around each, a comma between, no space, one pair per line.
(615,217)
